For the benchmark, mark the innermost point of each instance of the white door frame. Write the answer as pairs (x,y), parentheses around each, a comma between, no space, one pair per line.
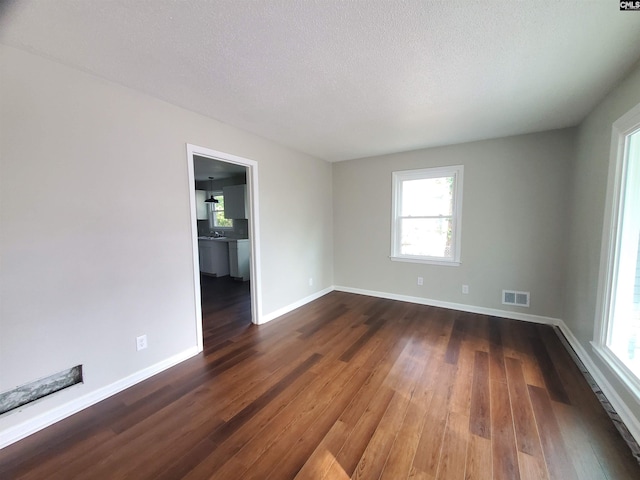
(254,231)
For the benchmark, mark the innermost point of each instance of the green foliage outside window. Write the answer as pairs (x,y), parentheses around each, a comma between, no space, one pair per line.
(217,212)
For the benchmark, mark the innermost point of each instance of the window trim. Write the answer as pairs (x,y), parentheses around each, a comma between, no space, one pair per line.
(622,129)
(211,211)
(457,171)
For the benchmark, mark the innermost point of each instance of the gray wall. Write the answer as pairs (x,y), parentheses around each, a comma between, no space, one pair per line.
(586,217)
(91,258)
(513,222)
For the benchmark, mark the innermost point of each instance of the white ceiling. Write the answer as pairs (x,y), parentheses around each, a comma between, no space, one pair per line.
(205,168)
(346,79)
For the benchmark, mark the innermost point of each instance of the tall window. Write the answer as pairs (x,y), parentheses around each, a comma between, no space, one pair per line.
(427,209)
(216,213)
(618,339)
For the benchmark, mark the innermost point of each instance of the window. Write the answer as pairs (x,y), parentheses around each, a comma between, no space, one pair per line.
(618,336)
(216,213)
(427,208)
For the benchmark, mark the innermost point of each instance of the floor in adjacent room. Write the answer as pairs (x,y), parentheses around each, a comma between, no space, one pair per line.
(347,386)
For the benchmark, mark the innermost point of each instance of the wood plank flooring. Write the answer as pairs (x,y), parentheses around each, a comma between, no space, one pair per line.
(348,386)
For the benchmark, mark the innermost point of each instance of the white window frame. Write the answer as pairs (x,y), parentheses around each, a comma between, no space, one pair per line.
(622,129)
(457,171)
(211,213)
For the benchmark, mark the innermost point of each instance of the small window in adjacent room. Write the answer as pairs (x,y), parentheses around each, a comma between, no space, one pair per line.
(427,210)
(216,213)
(618,336)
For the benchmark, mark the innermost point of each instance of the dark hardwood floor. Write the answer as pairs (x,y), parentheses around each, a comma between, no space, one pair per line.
(345,387)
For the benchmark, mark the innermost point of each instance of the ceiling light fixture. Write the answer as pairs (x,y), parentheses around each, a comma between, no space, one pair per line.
(211,199)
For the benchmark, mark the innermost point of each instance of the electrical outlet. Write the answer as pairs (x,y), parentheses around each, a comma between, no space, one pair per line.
(465,289)
(141,342)
(420,280)
(311,281)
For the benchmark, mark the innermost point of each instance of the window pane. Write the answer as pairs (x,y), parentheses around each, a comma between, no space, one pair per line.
(427,205)
(625,326)
(220,221)
(427,197)
(220,205)
(216,213)
(430,237)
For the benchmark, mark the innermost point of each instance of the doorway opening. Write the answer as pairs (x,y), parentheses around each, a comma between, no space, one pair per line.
(224,224)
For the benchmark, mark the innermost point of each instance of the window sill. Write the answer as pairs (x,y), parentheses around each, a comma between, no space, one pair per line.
(428,261)
(620,370)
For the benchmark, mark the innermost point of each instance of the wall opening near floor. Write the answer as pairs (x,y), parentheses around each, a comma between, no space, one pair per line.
(38,389)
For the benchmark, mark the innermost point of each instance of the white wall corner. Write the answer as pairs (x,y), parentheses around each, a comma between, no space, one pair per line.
(527,317)
(288,308)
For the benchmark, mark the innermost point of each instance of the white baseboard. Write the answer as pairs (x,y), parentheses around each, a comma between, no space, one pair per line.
(628,418)
(18,432)
(32,425)
(527,317)
(281,311)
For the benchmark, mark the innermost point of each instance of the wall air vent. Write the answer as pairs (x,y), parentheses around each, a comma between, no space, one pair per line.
(511,297)
(33,391)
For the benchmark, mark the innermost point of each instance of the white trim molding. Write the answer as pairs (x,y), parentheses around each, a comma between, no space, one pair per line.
(292,306)
(254,230)
(398,178)
(13,434)
(628,418)
(624,126)
(621,131)
(618,368)
(527,317)
(28,427)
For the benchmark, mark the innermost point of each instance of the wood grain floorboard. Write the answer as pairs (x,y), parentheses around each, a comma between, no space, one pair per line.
(478,464)
(503,444)
(558,463)
(479,419)
(398,463)
(496,351)
(347,386)
(527,440)
(455,341)
(361,434)
(453,456)
(551,379)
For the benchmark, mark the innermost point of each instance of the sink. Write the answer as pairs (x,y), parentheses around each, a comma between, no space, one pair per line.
(219,239)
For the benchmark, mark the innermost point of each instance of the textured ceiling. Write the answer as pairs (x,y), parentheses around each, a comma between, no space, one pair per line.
(347,79)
